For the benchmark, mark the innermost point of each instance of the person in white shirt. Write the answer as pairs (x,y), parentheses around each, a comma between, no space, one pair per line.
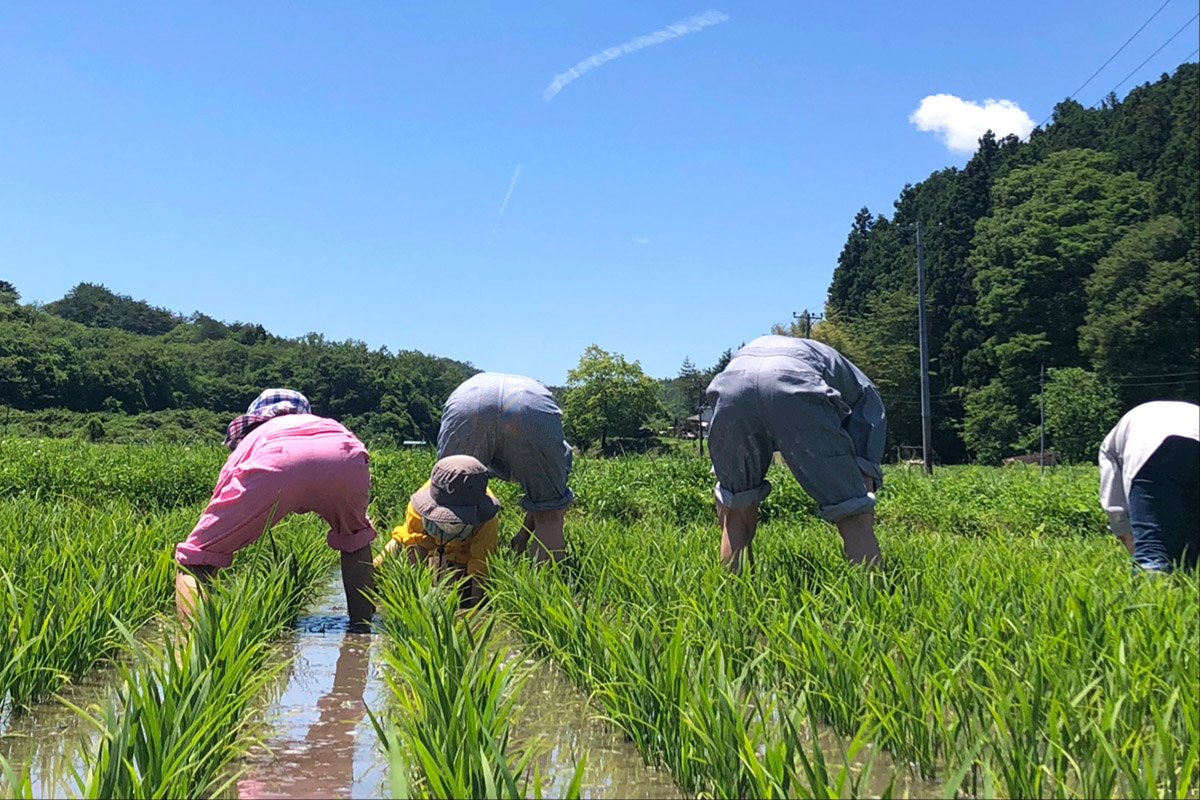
(1150,483)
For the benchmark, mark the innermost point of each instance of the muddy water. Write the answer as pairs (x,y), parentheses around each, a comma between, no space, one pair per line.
(320,742)
(48,738)
(554,718)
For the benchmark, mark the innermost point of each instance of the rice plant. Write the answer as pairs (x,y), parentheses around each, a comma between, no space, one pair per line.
(448,733)
(68,571)
(178,715)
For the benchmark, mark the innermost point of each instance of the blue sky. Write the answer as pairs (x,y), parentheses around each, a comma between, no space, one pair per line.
(341,167)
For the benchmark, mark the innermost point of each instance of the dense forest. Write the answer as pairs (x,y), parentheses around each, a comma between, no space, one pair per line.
(137,371)
(1075,251)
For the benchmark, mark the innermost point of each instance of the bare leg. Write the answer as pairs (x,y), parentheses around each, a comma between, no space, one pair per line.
(858,538)
(358,576)
(548,543)
(520,542)
(1127,540)
(737,534)
(189,589)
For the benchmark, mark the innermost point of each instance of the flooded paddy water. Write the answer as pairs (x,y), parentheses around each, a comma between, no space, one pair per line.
(321,743)
(318,741)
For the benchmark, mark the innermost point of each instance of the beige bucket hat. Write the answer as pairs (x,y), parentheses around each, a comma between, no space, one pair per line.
(457,493)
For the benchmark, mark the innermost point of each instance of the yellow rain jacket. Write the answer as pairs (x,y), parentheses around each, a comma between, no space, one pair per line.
(471,551)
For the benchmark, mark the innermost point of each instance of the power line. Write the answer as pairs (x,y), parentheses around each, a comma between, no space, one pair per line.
(1163,383)
(1187,374)
(1152,55)
(1110,58)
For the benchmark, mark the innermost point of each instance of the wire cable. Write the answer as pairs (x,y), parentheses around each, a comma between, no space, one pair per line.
(1152,55)
(1110,58)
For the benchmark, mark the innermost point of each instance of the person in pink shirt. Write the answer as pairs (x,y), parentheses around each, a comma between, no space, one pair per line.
(285,460)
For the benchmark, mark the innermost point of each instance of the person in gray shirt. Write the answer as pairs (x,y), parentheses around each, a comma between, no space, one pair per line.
(826,419)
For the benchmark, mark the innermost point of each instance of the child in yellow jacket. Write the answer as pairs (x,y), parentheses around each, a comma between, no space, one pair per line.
(451,523)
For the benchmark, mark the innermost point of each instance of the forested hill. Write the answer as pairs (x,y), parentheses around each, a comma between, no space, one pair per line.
(97,351)
(1076,250)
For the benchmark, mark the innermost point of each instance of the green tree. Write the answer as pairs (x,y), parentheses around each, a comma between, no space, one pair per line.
(607,396)
(1050,224)
(95,305)
(991,427)
(1144,312)
(1080,411)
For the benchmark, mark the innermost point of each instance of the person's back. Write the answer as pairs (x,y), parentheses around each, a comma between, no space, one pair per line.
(834,368)
(1149,479)
(284,459)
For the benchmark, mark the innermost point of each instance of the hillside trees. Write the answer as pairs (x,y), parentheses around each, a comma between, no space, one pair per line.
(48,361)
(1144,309)
(1075,249)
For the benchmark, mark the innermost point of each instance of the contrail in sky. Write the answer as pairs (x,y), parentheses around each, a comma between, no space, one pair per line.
(511,186)
(690,25)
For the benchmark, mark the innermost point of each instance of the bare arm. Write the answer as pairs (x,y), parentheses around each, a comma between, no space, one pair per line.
(388,549)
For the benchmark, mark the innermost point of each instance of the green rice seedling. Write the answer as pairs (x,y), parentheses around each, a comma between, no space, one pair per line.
(67,571)
(15,784)
(178,715)
(1016,639)
(454,695)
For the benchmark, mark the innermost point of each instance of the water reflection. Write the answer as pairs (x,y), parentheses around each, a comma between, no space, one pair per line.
(555,718)
(322,744)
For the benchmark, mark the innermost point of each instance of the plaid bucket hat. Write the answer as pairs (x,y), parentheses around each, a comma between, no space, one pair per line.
(271,403)
(457,493)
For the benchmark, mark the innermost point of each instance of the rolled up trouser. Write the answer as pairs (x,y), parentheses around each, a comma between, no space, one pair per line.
(1164,498)
(513,425)
(766,403)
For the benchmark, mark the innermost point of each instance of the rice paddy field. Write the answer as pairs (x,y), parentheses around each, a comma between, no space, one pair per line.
(1005,649)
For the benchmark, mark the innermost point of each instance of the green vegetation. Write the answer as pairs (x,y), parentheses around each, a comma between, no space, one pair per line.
(607,396)
(68,571)
(1076,249)
(177,717)
(95,356)
(1023,661)
(1005,650)
(454,691)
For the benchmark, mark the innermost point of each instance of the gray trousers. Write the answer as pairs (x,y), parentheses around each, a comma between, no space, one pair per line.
(766,403)
(513,425)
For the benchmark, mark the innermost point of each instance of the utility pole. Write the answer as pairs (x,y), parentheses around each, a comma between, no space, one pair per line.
(808,318)
(923,335)
(1042,403)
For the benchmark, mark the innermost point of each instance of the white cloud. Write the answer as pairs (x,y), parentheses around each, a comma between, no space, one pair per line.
(681,28)
(642,240)
(959,123)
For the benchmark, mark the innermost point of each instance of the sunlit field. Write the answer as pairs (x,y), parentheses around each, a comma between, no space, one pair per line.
(1005,649)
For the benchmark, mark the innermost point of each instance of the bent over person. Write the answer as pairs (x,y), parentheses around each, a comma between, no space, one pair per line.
(284,460)
(826,419)
(451,524)
(1150,484)
(513,425)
